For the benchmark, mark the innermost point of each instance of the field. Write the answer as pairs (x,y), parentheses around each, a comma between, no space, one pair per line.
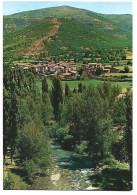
(122,68)
(74,84)
(119,74)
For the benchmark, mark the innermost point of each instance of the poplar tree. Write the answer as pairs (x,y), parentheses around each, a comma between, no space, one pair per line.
(56,96)
(80,87)
(44,85)
(67,90)
(128,128)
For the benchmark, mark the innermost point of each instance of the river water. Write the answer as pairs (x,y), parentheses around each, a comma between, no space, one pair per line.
(70,171)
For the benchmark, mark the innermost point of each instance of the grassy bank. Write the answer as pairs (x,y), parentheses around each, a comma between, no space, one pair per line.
(13,177)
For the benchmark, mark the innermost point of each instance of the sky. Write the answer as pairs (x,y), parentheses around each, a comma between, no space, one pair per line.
(10,7)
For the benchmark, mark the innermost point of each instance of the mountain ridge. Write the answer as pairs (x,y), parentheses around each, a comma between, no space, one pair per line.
(78,29)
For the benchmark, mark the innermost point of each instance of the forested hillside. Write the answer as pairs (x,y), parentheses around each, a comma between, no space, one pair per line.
(71,29)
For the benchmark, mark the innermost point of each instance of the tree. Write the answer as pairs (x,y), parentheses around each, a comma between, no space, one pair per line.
(33,144)
(126,69)
(56,96)
(128,128)
(80,70)
(67,90)
(74,90)
(80,87)
(44,85)
(99,71)
(13,123)
(129,62)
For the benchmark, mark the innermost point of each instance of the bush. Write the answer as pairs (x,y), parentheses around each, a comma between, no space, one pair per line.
(60,134)
(126,68)
(8,182)
(99,71)
(54,128)
(110,161)
(30,169)
(33,147)
(82,147)
(68,142)
(129,62)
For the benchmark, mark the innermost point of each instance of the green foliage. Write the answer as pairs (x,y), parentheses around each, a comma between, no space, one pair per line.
(67,90)
(8,182)
(44,86)
(99,71)
(25,111)
(60,134)
(126,68)
(129,62)
(80,87)
(110,161)
(82,147)
(128,127)
(46,108)
(79,29)
(28,137)
(119,111)
(89,118)
(116,180)
(80,70)
(30,169)
(56,97)
(68,142)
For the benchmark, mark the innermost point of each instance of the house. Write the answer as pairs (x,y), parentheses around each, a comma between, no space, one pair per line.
(106,71)
(51,68)
(66,74)
(26,68)
(74,73)
(91,67)
(36,68)
(43,68)
(107,67)
(73,67)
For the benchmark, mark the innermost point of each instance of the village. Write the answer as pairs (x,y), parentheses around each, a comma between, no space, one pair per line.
(66,69)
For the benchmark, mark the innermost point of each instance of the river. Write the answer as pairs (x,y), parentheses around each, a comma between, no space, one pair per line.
(70,171)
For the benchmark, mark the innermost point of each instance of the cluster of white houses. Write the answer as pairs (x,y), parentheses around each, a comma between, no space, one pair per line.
(67,68)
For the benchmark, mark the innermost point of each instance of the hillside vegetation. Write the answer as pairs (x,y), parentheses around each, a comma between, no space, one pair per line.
(108,23)
(59,30)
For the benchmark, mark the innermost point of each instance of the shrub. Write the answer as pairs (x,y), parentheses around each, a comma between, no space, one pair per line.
(82,147)
(68,142)
(33,147)
(30,169)
(110,161)
(99,71)
(8,182)
(60,134)
(126,68)
(54,128)
(129,62)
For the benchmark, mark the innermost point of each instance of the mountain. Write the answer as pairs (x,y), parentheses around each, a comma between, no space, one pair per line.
(52,30)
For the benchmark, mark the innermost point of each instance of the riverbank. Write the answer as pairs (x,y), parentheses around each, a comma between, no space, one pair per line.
(71,171)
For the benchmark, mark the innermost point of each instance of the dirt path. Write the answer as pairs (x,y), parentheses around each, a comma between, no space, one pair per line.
(38,47)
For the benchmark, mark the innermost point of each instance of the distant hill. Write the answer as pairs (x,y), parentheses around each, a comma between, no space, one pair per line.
(52,30)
